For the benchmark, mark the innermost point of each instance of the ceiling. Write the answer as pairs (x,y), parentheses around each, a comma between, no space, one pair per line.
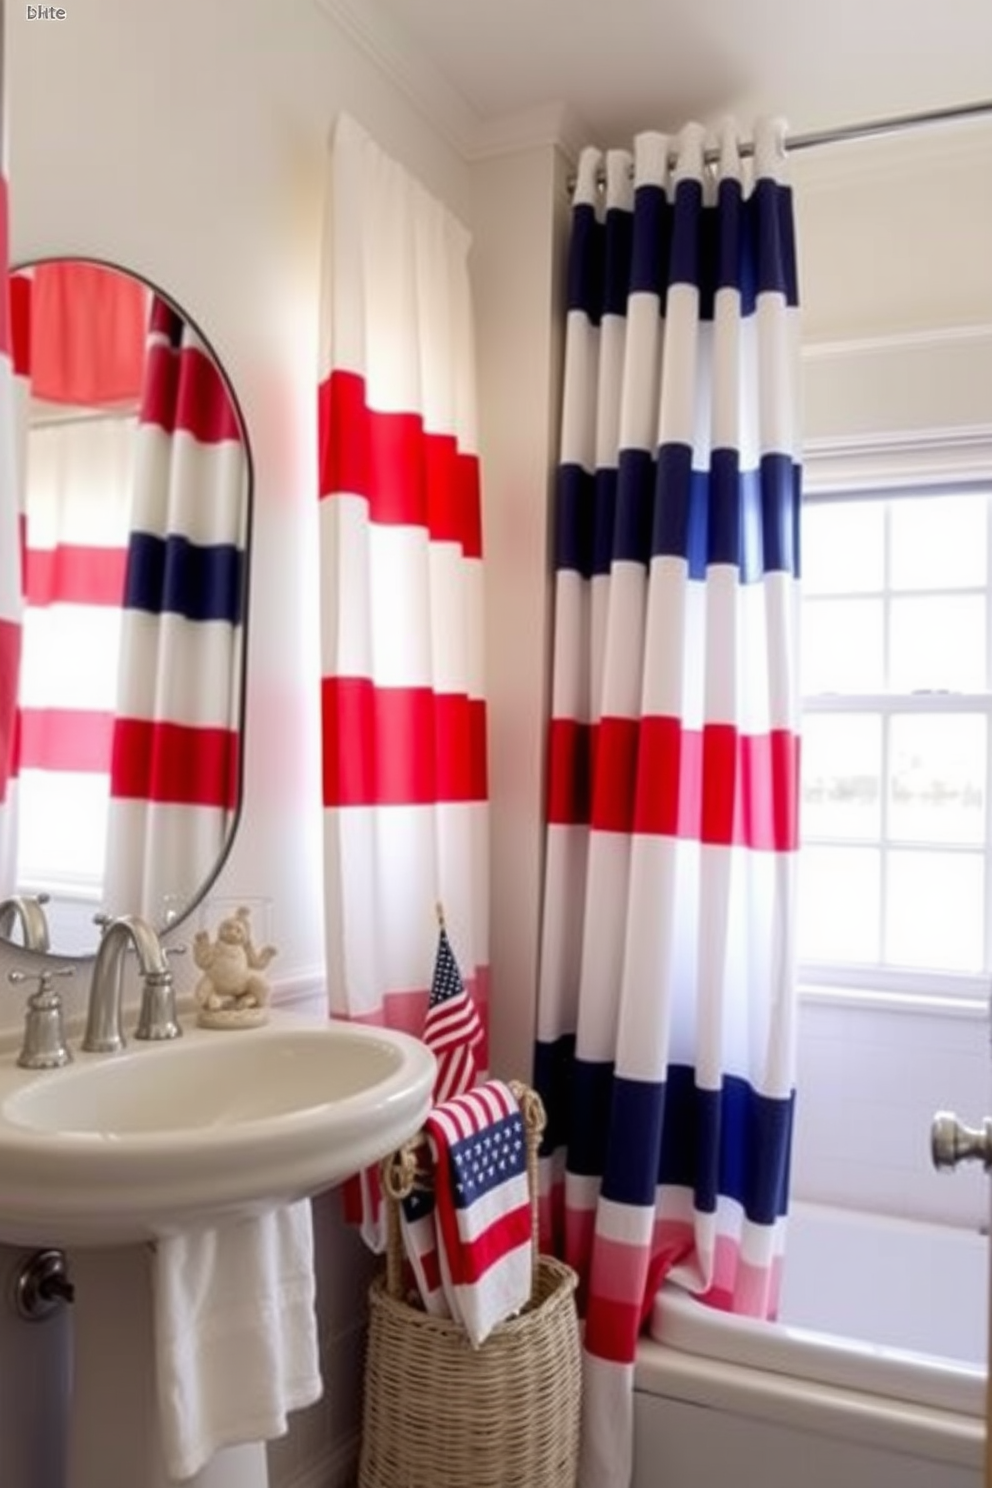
(624,65)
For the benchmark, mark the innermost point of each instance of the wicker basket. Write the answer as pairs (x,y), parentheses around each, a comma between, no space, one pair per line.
(439,1413)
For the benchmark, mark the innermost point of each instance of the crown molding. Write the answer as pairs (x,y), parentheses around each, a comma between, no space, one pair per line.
(900,460)
(407,66)
(916,340)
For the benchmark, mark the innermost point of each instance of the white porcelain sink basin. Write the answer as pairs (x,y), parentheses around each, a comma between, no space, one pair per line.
(119,1148)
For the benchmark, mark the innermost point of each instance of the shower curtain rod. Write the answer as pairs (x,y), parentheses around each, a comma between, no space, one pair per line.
(849,132)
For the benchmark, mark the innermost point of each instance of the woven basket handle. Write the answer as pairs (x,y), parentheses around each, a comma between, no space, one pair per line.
(402,1171)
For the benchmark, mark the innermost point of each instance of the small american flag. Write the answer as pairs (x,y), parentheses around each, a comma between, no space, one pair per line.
(452,1030)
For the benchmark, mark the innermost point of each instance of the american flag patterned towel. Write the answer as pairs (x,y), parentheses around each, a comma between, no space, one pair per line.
(478,1254)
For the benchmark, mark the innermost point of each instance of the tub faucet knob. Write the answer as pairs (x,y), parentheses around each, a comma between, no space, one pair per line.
(952,1142)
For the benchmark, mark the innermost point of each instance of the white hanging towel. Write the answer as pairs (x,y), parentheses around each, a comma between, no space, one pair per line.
(235,1334)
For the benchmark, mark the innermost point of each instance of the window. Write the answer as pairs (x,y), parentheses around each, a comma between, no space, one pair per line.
(895,876)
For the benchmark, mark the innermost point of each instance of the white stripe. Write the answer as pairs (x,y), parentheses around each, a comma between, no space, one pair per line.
(570,675)
(580,390)
(183,487)
(178,670)
(622,665)
(642,373)
(607,1424)
(374,854)
(567,853)
(602,944)
(628,1224)
(399,317)
(403,611)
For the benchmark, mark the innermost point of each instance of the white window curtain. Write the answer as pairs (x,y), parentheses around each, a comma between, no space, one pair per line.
(666,1002)
(175,761)
(404,752)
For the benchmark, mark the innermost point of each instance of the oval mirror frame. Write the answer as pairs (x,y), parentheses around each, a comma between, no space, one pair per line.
(180,904)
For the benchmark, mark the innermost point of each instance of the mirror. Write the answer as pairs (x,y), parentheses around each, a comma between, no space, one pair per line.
(135,483)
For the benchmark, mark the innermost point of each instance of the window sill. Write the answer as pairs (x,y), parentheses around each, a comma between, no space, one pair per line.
(937,1004)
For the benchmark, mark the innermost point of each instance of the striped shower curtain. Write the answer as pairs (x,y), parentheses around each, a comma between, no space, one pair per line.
(175,760)
(11,470)
(666,1002)
(403,713)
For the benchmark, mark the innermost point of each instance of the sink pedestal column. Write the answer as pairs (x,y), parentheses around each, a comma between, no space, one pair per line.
(114,1435)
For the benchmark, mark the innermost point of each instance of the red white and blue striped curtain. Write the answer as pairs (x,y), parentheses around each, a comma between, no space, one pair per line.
(403,711)
(176,741)
(666,1003)
(11,470)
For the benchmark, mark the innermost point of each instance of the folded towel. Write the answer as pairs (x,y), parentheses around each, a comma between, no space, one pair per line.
(235,1334)
(482,1206)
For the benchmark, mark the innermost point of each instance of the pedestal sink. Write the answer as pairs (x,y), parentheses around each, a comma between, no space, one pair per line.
(116,1150)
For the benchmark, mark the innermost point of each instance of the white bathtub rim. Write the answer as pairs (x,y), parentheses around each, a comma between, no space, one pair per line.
(681,1322)
(915,1430)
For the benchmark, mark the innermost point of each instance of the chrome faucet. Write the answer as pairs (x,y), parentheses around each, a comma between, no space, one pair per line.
(157,1014)
(26,909)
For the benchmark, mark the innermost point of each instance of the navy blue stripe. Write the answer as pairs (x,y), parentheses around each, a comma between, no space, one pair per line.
(726,515)
(637,1134)
(652,246)
(747,244)
(175,575)
(660,506)
(585,263)
(619,247)
(731,1142)
(552,1077)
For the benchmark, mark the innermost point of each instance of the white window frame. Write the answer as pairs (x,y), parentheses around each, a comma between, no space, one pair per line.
(917,462)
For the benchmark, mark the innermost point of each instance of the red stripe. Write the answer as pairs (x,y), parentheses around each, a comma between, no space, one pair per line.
(506,1234)
(400,746)
(20,323)
(174,764)
(408,476)
(185,390)
(611,1329)
(72,574)
(73,739)
(713,785)
(10,663)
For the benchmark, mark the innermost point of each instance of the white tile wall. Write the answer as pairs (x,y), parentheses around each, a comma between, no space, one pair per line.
(869,1082)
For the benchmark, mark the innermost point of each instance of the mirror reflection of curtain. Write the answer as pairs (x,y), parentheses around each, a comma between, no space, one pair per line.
(81,477)
(175,754)
(11,468)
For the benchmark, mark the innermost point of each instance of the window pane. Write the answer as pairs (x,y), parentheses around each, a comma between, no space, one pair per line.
(842,646)
(933,911)
(839,891)
(937,778)
(843,546)
(938,542)
(841,768)
(938,644)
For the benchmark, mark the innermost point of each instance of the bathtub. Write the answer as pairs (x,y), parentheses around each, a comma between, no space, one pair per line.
(874,1377)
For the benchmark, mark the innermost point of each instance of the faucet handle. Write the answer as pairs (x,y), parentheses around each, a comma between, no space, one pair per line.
(44,1044)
